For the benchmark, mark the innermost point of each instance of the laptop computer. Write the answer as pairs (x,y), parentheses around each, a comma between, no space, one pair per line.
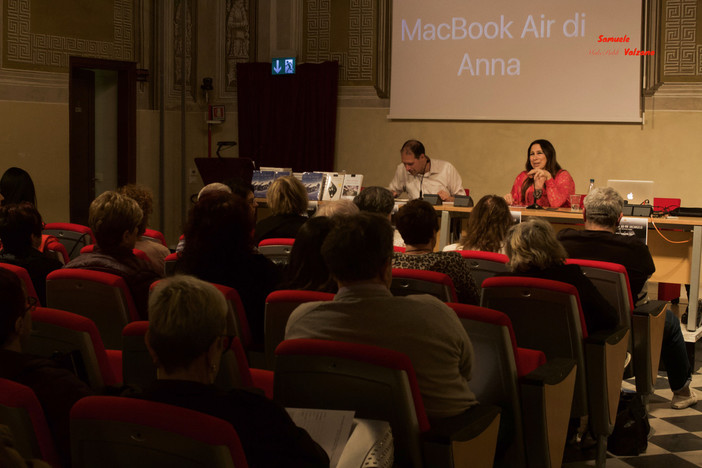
(634,192)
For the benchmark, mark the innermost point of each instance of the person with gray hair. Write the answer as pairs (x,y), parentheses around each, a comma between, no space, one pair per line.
(534,251)
(333,208)
(598,241)
(186,338)
(375,200)
(602,212)
(379,200)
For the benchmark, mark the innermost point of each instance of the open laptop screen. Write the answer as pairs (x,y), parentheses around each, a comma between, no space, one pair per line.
(635,192)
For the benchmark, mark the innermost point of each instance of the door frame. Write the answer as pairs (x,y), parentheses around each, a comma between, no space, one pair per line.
(126,128)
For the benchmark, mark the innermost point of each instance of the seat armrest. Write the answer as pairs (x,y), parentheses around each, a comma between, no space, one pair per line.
(605,354)
(647,325)
(651,308)
(529,360)
(468,439)
(546,397)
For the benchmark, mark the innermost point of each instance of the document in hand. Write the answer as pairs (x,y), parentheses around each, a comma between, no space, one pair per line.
(349,442)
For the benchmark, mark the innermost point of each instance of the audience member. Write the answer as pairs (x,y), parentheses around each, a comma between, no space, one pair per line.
(20,234)
(379,200)
(156,251)
(219,249)
(533,250)
(602,213)
(487,226)
(246,191)
(287,200)
(418,225)
(306,269)
(56,388)
(16,186)
(209,188)
(186,338)
(337,208)
(115,221)
(214,187)
(358,252)
(375,200)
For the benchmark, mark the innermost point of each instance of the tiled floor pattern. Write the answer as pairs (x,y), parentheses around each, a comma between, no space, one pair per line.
(676,436)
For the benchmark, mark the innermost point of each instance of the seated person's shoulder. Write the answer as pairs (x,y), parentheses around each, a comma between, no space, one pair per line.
(568,233)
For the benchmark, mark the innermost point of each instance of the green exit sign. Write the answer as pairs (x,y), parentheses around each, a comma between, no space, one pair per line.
(283,66)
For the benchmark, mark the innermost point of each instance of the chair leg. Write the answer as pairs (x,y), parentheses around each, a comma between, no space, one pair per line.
(601,459)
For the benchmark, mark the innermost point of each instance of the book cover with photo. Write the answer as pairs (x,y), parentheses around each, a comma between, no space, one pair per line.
(333,185)
(313,182)
(352,185)
(260,181)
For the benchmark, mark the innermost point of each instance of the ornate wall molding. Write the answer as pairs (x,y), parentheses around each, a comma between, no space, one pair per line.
(359,41)
(34,65)
(28,50)
(174,48)
(236,42)
(682,51)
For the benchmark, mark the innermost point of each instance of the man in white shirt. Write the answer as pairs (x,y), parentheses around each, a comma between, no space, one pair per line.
(418,175)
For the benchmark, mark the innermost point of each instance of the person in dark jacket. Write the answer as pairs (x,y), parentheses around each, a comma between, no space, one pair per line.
(599,241)
(287,200)
(533,250)
(56,388)
(219,249)
(20,234)
(186,338)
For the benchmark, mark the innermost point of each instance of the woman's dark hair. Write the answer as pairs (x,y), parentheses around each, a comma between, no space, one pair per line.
(417,222)
(12,303)
(488,224)
(307,269)
(219,231)
(17,224)
(16,186)
(552,165)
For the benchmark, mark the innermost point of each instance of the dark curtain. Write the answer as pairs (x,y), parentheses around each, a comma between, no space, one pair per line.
(288,120)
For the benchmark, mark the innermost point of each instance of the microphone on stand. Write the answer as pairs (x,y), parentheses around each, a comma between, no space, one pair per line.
(421,182)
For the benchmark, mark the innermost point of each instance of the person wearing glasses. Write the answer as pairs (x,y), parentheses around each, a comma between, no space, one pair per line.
(186,338)
(56,388)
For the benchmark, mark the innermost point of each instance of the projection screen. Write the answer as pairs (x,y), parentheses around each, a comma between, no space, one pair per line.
(542,60)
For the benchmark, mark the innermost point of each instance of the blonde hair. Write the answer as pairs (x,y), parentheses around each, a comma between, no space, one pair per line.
(337,208)
(287,195)
(186,315)
(533,244)
(110,215)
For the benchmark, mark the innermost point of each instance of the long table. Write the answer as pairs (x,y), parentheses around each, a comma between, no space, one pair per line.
(675,262)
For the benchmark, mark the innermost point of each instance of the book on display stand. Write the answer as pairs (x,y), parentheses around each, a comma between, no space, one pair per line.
(333,186)
(313,182)
(352,185)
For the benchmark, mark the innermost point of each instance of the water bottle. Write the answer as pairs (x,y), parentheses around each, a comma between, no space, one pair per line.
(591,186)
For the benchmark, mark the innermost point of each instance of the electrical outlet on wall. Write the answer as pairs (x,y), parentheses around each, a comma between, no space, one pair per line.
(192,176)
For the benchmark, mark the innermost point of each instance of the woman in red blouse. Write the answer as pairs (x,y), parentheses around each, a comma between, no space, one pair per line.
(543,180)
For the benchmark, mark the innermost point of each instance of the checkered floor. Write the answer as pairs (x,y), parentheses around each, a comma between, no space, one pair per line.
(675,440)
